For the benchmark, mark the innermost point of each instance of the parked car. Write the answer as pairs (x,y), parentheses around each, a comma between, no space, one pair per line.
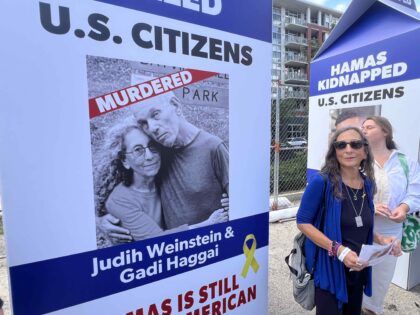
(297,142)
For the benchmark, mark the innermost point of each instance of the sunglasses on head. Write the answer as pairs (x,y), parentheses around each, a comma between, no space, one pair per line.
(354,144)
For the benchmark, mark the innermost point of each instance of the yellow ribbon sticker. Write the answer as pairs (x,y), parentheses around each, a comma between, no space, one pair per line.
(249,254)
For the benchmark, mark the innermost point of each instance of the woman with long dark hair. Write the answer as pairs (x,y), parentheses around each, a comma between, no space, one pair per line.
(344,190)
(398,193)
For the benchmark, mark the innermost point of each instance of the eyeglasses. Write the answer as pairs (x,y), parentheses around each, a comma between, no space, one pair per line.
(139,151)
(355,144)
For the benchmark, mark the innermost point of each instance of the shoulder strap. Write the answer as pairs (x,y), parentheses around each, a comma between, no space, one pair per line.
(404,165)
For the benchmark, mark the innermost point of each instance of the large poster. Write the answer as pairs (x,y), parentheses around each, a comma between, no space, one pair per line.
(134,170)
(367,72)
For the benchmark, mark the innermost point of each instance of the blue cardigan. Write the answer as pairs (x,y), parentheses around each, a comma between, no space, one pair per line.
(329,272)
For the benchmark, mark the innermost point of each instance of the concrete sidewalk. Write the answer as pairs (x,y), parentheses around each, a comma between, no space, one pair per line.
(280,300)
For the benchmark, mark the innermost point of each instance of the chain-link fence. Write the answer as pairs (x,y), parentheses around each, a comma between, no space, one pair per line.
(289,139)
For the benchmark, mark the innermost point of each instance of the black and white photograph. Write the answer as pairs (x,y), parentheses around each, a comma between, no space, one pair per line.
(160,165)
(352,116)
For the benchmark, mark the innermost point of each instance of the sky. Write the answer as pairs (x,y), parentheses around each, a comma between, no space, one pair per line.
(341,5)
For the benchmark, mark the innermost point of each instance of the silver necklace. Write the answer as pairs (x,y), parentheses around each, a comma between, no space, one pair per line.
(358,217)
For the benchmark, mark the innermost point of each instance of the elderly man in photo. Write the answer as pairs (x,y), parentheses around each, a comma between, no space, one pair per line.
(195,164)
(347,119)
(194,175)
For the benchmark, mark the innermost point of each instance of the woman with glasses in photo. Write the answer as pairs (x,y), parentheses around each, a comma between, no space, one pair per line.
(128,189)
(344,192)
(398,193)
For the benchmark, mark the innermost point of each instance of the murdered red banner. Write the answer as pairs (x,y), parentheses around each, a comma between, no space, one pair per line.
(139,92)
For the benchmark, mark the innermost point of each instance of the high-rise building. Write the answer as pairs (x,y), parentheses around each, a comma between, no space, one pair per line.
(299,29)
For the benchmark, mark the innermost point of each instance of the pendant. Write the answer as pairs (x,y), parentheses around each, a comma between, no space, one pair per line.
(355,197)
(359,222)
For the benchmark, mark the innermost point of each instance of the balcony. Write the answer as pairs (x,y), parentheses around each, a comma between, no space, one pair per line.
(298,94)
(296,78)
(296,60)
(295,42)
(295,24)
(314,43)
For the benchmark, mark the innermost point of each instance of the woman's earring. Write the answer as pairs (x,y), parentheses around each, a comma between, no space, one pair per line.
(362,165)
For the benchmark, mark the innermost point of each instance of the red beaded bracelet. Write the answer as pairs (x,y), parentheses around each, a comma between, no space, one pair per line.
(332,252)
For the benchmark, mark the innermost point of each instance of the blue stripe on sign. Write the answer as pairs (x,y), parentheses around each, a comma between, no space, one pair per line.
(59,283)
(249,18)
(380,30)
(396,53)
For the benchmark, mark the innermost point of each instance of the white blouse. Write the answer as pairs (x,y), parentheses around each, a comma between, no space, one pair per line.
(392,189)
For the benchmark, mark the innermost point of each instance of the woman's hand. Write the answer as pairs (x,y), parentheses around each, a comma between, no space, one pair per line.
(385,240)
(218,216)
(225,201)
(382,210)
(108,225)
(396,249)
(399,214)
(352,260)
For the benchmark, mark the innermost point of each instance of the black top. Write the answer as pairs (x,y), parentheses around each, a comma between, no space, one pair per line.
(352,236)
